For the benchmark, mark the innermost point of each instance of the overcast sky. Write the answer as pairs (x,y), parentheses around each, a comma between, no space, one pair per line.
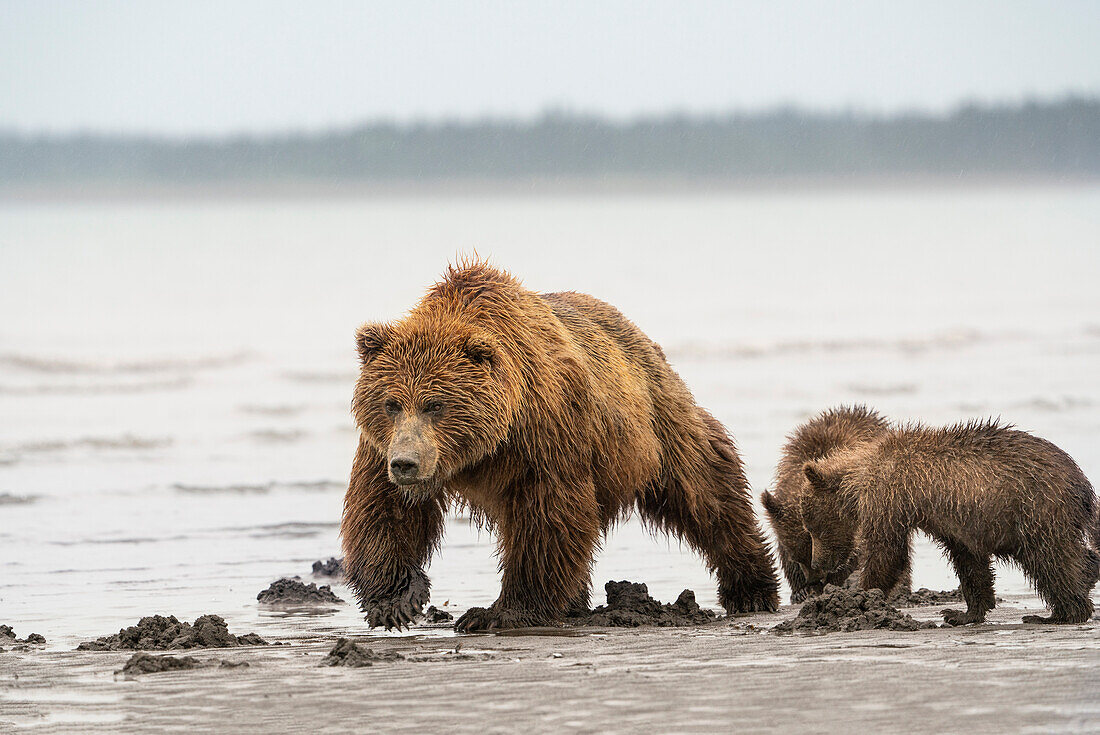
(260,65)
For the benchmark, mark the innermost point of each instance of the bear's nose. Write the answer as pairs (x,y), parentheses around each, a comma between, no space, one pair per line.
(404,468)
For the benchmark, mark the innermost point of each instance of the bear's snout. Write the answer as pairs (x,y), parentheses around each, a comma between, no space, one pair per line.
(405,468)
(412,456)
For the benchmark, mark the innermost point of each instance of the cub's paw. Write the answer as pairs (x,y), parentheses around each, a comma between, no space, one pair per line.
(750,601)
(961,617)
(400,610)
(482,619)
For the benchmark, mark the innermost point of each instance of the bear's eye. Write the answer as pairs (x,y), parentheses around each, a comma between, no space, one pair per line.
(434,408)
(392,407)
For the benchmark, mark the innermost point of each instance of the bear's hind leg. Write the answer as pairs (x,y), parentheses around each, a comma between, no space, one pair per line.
(975,582)
(1059,572)
(727,538)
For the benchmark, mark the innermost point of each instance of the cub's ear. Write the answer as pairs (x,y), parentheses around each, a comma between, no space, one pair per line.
(482,351)
(817,478)
(370,339)
(771,505)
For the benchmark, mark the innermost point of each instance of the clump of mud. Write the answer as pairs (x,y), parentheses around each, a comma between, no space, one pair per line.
(434,615)
(159,633)
(145,663)
(294,592)
(925,596)
(347,653)
(7,635)
(332,568)
(629,606)
(840,609)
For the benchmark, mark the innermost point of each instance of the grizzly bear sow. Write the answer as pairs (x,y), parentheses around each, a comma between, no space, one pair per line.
(834,430)
(981,490)
(549,416)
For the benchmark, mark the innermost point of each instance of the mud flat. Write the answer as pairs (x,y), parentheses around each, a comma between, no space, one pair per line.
(730,675)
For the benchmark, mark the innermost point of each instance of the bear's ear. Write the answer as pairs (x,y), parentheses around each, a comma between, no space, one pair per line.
(817,478)
(771,505)
(370,339)
(481,351)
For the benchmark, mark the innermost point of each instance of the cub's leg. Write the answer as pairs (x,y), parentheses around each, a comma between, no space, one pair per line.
(388,537)
(547,539)
(886,555)
(705,500)
(1059,570)
(975,582)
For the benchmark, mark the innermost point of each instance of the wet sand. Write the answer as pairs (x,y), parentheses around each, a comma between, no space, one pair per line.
(1000,677)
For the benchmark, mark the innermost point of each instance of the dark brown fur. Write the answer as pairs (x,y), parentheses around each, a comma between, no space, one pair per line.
(981,490)
(838,429)
(559,417)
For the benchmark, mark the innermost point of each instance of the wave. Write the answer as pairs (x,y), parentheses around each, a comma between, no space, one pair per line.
(9,499)
(123,443)
(95,388)
(949,340)
(318,376)
(63,366)
(271,410)
(888,389)
(312,486)
(277,436)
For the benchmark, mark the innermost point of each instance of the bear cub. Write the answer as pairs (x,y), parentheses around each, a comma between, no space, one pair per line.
(835,430)
(979,489)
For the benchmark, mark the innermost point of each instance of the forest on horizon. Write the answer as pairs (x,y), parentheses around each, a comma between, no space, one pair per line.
(1052,140)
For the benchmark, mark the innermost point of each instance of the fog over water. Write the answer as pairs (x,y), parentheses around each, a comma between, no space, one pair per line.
(175,376)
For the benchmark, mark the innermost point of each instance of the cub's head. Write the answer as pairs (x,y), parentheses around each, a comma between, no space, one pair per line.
(793,540)
(433,397)
(828,517)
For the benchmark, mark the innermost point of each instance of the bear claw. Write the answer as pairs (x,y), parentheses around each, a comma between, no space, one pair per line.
(401,610)
(961,617)
(759,601)
(482,619)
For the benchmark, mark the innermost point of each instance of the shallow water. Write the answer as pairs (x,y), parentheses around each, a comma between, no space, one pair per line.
(175,377)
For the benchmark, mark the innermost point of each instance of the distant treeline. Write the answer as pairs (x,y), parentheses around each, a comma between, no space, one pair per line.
(1050,140)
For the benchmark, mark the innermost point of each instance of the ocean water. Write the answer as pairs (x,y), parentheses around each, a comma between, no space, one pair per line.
(175,376)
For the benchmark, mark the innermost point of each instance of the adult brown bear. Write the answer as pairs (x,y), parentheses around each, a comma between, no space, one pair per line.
(550,416)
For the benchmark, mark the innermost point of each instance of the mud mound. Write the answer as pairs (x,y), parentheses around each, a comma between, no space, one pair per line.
(7,635)
(839,609)
(346,653)
(293,591)
(145,663)
(434,615)
(332,568)
(629,606)
(159,633)
(925,596)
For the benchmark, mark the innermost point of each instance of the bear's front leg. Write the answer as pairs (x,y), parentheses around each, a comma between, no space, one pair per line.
(547,541)
(388,537)
(886,557)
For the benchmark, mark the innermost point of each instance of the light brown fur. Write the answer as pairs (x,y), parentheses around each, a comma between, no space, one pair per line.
(835,430)
(550,416)
(981,490)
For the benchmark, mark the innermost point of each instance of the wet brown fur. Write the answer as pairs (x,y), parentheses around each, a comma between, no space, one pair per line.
(979,489)
(562,417)
(837,429)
